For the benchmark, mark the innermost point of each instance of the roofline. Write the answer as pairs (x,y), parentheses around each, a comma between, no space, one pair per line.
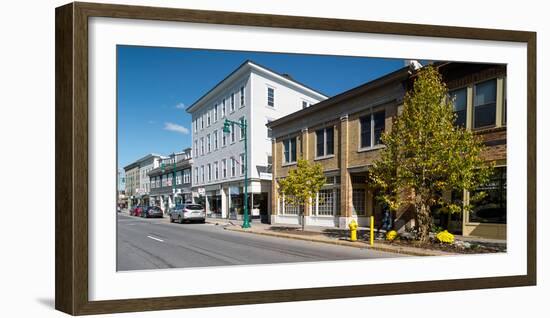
(403,73)
(128,166)
(252,64)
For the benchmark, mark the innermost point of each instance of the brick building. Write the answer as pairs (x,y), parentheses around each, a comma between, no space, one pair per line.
(343,133)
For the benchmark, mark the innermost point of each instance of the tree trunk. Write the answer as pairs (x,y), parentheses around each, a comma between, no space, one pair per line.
(424,220)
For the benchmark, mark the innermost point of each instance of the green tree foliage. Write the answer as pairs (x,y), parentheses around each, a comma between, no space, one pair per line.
(302,184)
(426,155)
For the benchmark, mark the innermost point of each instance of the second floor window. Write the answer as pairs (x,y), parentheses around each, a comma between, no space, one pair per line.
(208,143)
(215,139)
(196,175)
(187,176)
(459,97)
(202,174)
(241,131)
(232,133)
(324,142)
(178,177)
(270,97)
(485,103)
(289,150)
(224,168)
(233,167)
(209,172)
(202,146)
(216,175)
(242,163)
(372,127)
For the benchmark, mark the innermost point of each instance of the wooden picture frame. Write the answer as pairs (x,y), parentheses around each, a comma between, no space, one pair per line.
(71,155)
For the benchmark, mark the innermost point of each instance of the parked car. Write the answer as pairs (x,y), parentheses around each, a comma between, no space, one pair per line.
(188,212)
(152,212)
(137,210)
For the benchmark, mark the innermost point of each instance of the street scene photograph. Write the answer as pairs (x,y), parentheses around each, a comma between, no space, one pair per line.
(242,158)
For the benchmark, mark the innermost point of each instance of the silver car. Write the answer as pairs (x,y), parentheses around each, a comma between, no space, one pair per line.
(188,212)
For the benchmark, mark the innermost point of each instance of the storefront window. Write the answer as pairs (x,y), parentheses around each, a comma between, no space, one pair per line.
(326,203)
(491,208)
(359,201)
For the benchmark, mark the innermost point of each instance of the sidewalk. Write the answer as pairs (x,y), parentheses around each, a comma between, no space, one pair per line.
(319,234)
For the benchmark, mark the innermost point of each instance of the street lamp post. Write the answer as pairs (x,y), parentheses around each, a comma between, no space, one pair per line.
(226,130)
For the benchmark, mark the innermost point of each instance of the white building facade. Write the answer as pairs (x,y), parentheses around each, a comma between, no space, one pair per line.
(146,164)
(257,95)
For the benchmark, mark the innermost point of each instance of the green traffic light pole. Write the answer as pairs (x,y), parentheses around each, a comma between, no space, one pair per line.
(226,130)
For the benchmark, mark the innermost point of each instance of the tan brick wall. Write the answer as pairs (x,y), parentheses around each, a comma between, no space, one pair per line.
(333,162)
(362,158)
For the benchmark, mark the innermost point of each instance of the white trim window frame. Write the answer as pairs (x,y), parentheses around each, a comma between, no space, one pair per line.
(478,107)
(224,168)
(241,135)
(232,102)
(216,112)
(233,138)
(215,133)
(289,151)
(270,101)
(216,171)
(242,96)
(373,132)
(208,143)
(457,101)
(327,146)
(241,156)
(223,108)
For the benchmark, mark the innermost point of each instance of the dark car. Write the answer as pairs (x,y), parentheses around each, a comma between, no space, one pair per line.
(188,212)
(152,212)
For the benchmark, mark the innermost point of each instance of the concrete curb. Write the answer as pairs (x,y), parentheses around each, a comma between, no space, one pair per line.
(398,250)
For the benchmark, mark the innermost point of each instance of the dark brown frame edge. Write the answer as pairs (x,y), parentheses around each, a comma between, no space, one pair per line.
(71,157)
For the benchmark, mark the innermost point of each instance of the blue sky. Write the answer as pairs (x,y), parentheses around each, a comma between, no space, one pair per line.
(155,85)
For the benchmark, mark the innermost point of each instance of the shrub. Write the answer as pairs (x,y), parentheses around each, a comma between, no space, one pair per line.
(391,235)
(445,237)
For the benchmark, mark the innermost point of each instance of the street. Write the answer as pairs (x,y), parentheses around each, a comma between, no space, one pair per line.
(156,243)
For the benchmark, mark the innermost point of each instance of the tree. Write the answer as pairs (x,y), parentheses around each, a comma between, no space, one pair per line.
(426,154)
(302,184)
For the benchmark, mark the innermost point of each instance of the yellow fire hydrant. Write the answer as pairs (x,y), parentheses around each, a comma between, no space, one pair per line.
(353,230)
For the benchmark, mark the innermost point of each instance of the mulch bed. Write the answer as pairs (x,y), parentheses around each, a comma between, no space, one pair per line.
(433,245)
(475,248)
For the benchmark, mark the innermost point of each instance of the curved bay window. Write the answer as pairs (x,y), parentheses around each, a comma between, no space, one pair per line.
(491,208)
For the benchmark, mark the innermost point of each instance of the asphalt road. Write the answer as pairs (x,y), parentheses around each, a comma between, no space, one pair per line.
(156,243)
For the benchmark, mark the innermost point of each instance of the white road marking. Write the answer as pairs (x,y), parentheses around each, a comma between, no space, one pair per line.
(155,238)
